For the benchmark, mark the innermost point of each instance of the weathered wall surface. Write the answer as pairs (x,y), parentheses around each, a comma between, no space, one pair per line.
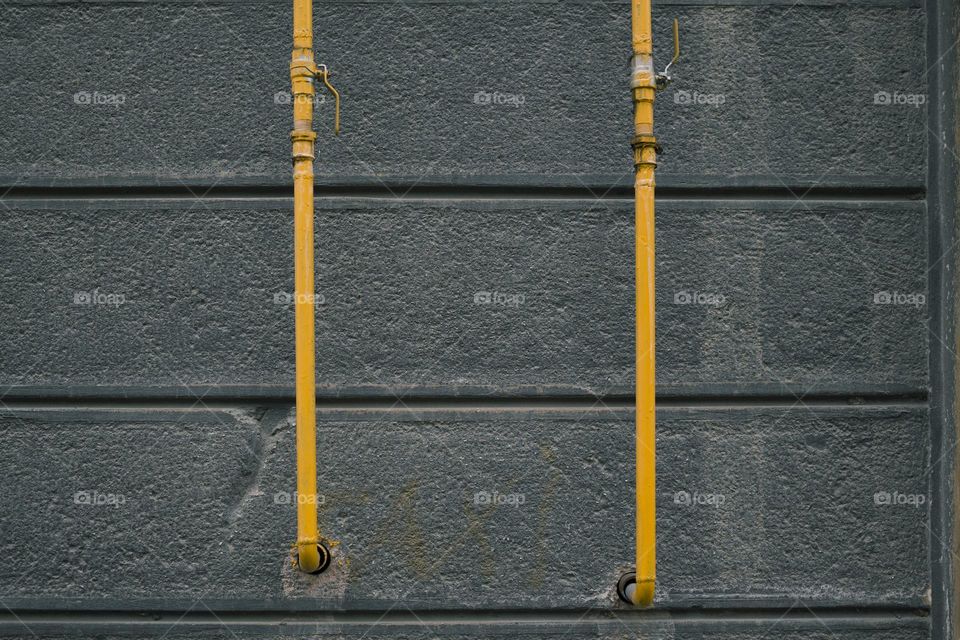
(475,457)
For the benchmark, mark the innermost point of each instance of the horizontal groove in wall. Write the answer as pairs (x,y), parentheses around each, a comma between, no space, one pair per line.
(717,3)
(401,191)
(793,612)
(402,401)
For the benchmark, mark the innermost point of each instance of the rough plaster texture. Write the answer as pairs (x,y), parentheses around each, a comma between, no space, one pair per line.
(201,106)
(795,403)
(496,509)
(749,297)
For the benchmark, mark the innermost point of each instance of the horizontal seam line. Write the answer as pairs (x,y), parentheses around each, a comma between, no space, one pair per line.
(501,403)
(881,613)
(506,192)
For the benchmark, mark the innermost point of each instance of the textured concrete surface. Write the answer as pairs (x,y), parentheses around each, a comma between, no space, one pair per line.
(196,87)
(750,295)
(794,448)
(467,509)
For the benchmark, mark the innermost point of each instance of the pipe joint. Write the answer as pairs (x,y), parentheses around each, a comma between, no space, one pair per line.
(303,144)
(642,74)
(644,140)
(645,151)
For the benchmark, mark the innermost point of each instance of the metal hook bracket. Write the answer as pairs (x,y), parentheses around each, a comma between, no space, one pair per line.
(324,75)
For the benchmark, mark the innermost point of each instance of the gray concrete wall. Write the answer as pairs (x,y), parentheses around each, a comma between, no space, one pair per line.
(146,362)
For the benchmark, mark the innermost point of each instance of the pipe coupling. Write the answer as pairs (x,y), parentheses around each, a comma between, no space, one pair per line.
(645,150)
(642,75)
(303,143)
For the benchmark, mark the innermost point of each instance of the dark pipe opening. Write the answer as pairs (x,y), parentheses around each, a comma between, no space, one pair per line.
(626,585)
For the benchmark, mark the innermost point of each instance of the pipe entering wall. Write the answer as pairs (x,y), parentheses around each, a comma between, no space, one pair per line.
(313,559)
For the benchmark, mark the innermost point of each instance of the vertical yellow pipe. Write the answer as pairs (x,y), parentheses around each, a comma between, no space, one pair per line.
(644,86)
(302,74)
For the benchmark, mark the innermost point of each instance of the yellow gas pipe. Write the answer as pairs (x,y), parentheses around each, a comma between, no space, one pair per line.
(644,84)
(312,555)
